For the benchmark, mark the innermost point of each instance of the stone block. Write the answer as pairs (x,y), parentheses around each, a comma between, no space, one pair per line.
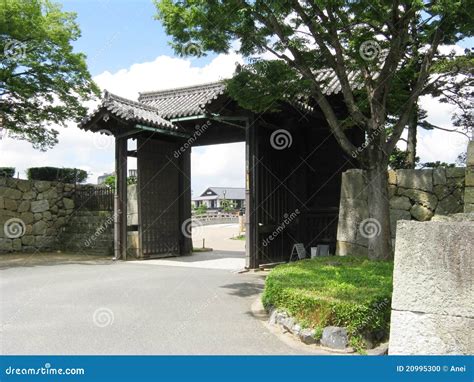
(28,240)
(417,179)
(6,245)
(27,217)
(307,336)
(10,204)
(24,206)
(392,177)
(354,185)
(334,337)
(16,244)
(426,199)
(400,203)
(455,172)
(469,179)
(39,206)
(469,195)
(439,176)
(42,185)
(39,228)
(29,195)
(23,185)
(470,154)
(2,203)
(416,333)
(10,193)
(449,205)
(68,203)
(421,213)
(434,268)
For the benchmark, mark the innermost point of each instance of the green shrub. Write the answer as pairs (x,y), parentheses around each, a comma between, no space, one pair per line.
(65,175)
(7,172)
(352,292)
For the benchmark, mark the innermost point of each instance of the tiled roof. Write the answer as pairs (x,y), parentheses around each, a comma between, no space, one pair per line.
(192,100)
(131,111)
(234,193)
(183,102)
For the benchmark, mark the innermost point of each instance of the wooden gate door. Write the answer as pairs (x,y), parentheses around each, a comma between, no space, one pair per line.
(158,194)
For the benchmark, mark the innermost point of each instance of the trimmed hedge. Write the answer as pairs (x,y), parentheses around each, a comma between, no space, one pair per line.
(7,172)
(64,175)
(351,292)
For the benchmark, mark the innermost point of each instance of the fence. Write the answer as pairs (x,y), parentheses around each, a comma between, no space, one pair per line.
(94,198)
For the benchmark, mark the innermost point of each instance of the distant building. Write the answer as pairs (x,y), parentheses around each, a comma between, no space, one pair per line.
(212,197)
(101,179)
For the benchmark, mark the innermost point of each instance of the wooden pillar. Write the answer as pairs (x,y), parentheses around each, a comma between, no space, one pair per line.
(251,217)
(120,212)
(184,189)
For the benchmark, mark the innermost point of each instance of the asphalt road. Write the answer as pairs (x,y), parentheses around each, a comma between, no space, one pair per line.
(100,307)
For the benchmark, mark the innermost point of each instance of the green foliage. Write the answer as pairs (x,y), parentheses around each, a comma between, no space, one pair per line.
(437,164)
(64,175)
(202,209)
(110,181)
(398,159)
(42,81)
(7,172)
(342,291)
(227,205)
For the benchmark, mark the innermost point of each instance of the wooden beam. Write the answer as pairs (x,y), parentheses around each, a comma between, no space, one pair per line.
(121,193)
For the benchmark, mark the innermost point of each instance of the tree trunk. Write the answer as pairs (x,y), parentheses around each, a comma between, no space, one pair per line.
(377,227)
(411,139)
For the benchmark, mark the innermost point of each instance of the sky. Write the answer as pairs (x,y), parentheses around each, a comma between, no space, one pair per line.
(128,51)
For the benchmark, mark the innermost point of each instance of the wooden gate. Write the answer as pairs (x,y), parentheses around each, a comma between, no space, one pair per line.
(158,195)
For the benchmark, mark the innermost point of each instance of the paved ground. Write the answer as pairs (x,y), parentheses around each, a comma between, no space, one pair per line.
(66,306)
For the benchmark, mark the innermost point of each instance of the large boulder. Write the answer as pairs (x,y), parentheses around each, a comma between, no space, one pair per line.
(335,337)
(421,213)
(424,198)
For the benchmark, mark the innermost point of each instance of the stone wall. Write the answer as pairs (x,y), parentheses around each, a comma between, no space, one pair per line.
(413,195)
(41,216)
(32,213)
(469,190)
(432,309)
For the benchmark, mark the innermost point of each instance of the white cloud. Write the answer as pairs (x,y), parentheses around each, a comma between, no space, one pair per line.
(77,148)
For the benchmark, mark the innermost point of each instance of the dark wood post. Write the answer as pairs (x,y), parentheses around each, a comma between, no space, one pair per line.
(120,211)
(251,217)
(184,189)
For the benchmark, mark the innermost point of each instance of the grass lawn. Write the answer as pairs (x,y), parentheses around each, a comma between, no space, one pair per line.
(353,292)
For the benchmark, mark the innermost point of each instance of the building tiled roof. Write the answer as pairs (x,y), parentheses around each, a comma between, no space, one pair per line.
(183,102)
(131,111)
(192,100)
(232,193)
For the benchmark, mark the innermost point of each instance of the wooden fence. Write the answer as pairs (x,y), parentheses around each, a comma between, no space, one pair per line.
(94,198)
